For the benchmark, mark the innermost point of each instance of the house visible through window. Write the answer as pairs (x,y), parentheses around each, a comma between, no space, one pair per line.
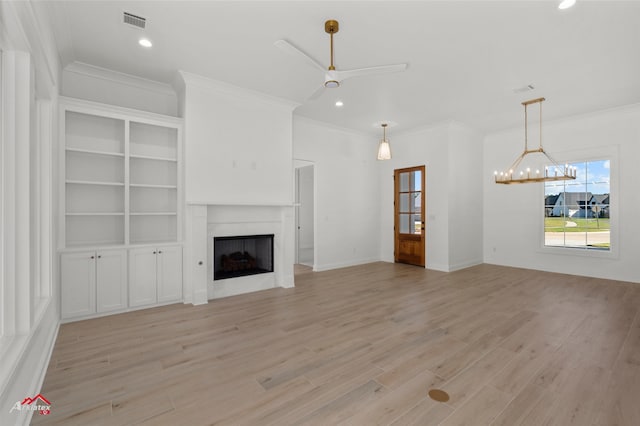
(577,212)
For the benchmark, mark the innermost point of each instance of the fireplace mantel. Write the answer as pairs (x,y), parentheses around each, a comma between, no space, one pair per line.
(207,221)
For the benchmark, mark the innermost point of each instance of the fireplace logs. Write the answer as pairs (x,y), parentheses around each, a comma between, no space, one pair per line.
(238,261)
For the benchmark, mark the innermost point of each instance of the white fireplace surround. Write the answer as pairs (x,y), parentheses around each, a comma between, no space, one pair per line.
(237,220)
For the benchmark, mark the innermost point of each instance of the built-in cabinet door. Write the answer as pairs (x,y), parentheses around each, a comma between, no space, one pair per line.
(78,284)
(111,274)
(169,273)
(142,276)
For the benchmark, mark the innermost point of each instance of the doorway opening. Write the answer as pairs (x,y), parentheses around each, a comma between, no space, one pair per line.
(409,211)
(304,215)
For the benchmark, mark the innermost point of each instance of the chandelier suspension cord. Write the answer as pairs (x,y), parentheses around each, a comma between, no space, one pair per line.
(540,144)
(526,132)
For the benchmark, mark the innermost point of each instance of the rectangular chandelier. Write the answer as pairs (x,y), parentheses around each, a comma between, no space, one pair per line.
(517,173)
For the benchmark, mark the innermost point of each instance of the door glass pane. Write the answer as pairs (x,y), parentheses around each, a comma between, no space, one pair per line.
(404,182)
(404,202)
(416,224)
(404,224)
(416,204)
(417,181)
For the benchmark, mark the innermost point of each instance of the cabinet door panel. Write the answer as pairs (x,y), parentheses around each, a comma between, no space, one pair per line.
(142,276)
(111,273)
(169,274)
(78,284)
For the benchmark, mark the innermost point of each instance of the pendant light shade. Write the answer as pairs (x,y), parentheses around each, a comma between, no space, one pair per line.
(384,149)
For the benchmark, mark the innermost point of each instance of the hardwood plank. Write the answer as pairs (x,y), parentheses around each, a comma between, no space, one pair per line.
(519,408)
(521,370)
(480,409)
(474,378)
(620,405)
(426,413)
(363,345)
(397,402)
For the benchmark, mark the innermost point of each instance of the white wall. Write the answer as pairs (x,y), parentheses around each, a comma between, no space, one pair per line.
(451,154)
(347,210)
(513,214)
(429,147)
(28,299)
(238,145)
(113,88)
(465,197)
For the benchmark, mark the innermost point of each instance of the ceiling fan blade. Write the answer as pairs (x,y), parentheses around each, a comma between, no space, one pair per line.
(384,69)
(315,95)
(287,47)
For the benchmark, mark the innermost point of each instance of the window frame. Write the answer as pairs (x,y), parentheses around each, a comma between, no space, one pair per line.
(609,153)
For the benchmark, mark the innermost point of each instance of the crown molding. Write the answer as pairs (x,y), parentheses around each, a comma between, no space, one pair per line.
(191,79)
(22,30)
(119,77)
(123,113)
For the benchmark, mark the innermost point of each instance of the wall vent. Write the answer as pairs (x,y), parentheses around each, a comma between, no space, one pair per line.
(134,20)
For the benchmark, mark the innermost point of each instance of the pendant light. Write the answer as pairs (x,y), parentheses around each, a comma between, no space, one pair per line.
(384,149)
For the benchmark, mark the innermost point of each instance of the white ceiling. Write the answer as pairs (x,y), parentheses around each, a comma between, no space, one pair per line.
(465,57)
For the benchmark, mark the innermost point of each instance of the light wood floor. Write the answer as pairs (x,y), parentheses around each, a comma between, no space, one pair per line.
(362,346)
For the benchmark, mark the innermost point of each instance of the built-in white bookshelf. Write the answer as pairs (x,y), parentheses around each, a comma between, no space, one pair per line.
(153,183)
(122,176)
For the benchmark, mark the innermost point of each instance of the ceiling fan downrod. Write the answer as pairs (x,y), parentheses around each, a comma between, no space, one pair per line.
(331,27)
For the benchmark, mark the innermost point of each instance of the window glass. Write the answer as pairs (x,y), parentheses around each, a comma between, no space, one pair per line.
(577,212)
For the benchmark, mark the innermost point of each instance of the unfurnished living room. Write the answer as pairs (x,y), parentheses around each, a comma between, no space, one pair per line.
(318,212)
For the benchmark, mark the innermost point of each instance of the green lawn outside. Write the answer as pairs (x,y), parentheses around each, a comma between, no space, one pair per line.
(559,224)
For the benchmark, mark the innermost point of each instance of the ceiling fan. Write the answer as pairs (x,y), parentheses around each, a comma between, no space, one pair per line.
(333,77)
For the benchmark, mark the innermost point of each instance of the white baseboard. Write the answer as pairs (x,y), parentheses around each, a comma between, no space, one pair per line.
(330,266)
(31,368)
(464,265)
(438,267)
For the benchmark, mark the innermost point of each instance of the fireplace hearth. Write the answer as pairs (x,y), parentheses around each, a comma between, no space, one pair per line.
(242,255)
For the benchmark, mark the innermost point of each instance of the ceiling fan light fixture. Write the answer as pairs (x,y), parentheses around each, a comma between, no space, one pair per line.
(331,84)
(384,149)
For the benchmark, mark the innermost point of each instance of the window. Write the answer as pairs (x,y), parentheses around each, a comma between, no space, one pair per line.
(577,212)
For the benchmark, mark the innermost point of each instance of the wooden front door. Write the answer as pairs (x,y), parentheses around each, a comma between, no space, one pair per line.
(409,215)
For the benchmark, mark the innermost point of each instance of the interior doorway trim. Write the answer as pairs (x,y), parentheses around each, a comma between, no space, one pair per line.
(305,212)
(409,215)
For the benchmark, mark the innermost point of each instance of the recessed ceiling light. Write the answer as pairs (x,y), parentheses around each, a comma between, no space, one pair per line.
(566,4)
(339,103)
(145,42)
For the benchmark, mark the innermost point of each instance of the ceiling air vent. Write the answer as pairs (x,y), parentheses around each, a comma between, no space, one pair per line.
(134,20)
(523,89)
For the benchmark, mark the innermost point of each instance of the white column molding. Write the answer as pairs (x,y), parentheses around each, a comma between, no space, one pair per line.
(22,182)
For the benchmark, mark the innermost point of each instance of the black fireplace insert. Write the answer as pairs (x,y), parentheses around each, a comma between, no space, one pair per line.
(242,255)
